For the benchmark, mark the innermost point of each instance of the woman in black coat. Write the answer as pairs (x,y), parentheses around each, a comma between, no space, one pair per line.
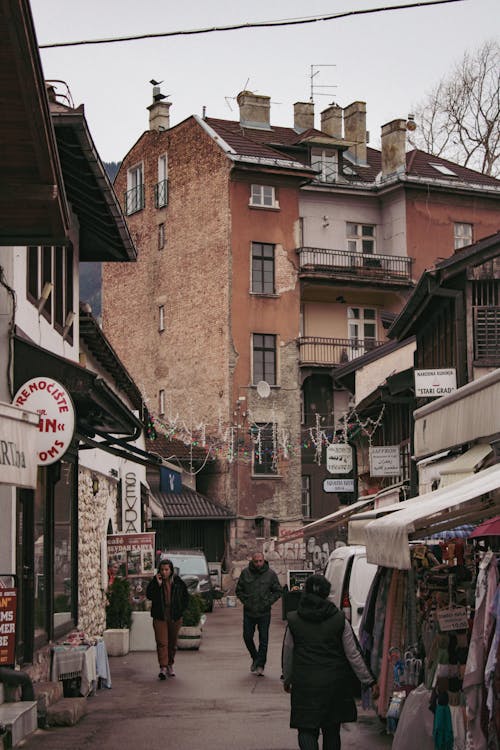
(169,598)
(320,655)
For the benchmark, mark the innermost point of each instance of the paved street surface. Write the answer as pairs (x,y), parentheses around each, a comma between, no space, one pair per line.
(214,703)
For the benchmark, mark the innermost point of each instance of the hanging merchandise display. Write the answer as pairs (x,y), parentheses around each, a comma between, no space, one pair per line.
(432,637)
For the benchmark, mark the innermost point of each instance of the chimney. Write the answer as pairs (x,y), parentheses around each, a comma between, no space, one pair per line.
(255,110)
(159,115)
(331,121)
(303,116)
(355,130)
(393,148)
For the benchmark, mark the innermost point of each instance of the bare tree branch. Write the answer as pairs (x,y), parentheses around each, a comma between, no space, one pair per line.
(459,119)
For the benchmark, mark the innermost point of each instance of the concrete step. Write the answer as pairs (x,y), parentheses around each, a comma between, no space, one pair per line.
(66,712)
(20,719)
(46,694)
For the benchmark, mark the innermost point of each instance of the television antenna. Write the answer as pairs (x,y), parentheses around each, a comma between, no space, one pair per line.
(328,89)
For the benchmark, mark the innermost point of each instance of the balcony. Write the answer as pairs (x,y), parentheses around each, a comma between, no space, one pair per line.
(134,200)
(314,350)
(392,270)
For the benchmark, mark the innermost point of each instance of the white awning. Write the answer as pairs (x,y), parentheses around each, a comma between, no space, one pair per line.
(339,517)
(465,465)
(461,417)
(18,456)
(387,538)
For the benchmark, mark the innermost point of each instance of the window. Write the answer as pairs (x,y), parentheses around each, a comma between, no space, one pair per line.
(262,268)
(360,238)
(161,402)
(134,195)
(52,265)
(444,170)
(161,318)
(265,451)
(274,528)
(325,163)
(161,236)
(264,358)
(362,330)
(161,187)
(306,496)
(463,235)
(264,196)
(260,528)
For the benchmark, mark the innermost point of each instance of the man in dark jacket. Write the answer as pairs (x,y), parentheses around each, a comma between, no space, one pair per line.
(169,598)
(257,589)
(320,655)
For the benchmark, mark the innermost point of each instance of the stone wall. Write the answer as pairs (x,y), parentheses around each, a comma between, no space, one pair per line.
(92,529)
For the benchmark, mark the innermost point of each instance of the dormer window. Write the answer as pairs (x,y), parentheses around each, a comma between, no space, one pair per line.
(263,196)
(326,163)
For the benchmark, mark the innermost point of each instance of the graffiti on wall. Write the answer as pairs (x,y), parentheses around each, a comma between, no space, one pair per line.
(311,553)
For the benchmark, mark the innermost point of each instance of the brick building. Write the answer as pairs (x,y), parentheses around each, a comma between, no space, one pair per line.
(271,255)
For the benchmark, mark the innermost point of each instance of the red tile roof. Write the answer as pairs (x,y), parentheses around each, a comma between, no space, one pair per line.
(277,142)
(171,449)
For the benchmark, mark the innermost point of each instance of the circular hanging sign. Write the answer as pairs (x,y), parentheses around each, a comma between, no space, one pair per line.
(52,402)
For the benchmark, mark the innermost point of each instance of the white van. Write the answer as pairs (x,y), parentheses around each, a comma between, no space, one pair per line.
(350,577)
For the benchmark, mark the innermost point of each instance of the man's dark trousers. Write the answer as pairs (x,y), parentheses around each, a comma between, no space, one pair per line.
(262,623)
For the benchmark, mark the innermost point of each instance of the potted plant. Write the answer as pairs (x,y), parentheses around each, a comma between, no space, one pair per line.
(118,618)
(191,629)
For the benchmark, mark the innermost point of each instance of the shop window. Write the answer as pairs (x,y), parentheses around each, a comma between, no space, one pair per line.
(63,582)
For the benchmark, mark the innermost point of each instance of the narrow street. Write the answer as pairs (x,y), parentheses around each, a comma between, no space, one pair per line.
(213,703)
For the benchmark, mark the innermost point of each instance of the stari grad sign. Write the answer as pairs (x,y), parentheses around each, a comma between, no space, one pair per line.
(435,383)
(52,402)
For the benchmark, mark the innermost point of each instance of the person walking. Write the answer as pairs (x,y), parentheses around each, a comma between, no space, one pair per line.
(169,598)
(320,655)
(257,589)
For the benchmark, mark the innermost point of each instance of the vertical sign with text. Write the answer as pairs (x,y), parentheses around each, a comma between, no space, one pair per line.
(8,602)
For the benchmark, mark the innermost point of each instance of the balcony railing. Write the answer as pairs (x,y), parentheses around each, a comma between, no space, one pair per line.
(315,350)
(161,193)
(359,265)
(134,199)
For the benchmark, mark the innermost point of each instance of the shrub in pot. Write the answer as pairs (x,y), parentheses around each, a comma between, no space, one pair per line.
(190,632)
(118,618)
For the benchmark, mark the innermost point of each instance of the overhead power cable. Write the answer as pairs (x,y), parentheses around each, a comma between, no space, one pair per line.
(249,25)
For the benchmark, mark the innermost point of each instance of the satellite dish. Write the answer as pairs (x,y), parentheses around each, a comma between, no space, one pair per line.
(263,389)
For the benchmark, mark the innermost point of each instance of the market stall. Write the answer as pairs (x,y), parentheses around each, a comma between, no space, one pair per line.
(430,626)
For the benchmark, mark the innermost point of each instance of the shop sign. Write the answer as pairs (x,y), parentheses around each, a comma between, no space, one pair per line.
(52,402)
(339,458)
(131,506)
(454,618)
(385,461)
(8,601)
(132,556)
(338,485)
(18,434)
(435,383)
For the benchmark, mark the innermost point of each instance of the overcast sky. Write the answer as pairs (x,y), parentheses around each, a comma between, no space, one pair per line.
(390,60)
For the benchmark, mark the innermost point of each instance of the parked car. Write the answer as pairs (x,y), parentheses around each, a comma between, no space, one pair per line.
(350,576)
(192,566)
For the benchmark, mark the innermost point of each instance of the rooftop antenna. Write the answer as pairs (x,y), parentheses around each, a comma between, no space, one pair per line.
(329,87)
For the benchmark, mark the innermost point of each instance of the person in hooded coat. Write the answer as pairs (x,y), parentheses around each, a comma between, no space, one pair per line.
(257,589)
(321,661)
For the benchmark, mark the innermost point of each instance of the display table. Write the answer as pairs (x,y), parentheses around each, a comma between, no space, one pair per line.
(89,663)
